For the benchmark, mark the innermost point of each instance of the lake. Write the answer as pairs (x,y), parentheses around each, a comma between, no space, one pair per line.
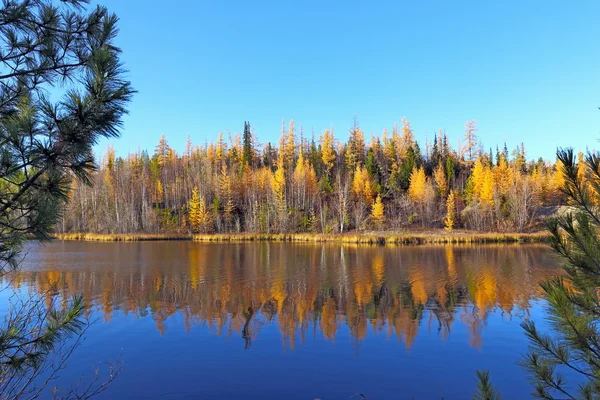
(297,321)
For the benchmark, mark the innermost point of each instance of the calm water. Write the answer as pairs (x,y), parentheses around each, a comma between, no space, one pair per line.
(273,321)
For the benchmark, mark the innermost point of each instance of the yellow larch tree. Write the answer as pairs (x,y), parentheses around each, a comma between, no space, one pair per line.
(417,187)
(486,195)
(450,219)
(327,150)
(199,217)
(356,148)
(503,176)
(226,193)
(477,177)
(211,154)
(557,179)
(439,177)
(406,139)
(289,150)
(362,186)
(109,167)
(377,212)
(278,188)
(162,150)
(304,180)
(221,148)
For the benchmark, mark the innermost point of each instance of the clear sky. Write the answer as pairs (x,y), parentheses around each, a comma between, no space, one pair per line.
(525,70)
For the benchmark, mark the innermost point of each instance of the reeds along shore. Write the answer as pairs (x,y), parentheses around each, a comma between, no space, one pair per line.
(356,238)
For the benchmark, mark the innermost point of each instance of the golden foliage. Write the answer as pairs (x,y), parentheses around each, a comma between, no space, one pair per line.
(418,182)
(278,188)
(377,212)
(450,218)
(439,177)
(327,150)
(199,217)
(362,186)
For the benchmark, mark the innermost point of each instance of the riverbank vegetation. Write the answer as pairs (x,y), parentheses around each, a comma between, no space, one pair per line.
(316,184)
(380,238)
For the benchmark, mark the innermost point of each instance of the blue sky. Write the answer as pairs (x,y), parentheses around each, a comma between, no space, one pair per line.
(525,70)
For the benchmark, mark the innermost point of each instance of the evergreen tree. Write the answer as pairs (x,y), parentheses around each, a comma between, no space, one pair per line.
(573,300)
(247,143)
(43,144)
(436,155)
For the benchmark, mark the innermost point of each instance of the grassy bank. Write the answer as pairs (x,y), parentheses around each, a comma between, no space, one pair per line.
(125,237)
(382,238)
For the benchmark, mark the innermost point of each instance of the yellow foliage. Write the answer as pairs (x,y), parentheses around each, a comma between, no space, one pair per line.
(377,212)
(199,216)
(109,166)
(362,185)
(278,187)
(162,150)
(356,148)
(221,148)
(487,187)
(439,176)
(503,176)
(327,150)
(450,219)
(417,188)
(305,176)
(482,178)
(406,140)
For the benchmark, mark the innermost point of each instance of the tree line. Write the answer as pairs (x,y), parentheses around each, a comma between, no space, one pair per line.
(316,184)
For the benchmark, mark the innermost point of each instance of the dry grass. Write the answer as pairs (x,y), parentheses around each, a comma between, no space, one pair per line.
(132,237)
(382,238)
(396,238)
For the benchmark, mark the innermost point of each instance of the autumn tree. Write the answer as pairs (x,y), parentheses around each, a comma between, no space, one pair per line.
(377,212)
(450,218)
(199,216)
(421,193)
(278,186)
(406,140)
(137,193)
(327,151)
(416,190)
(355,152)
(439,176)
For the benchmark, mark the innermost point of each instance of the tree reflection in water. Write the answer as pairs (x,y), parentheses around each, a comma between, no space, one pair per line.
(236,289)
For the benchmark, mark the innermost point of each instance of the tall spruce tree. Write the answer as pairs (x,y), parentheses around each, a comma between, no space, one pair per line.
(247,144)
(49,51)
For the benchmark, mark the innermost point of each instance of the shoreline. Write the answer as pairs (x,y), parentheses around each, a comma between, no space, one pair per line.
(375,238)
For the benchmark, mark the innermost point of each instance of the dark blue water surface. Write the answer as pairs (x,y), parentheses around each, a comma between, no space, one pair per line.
(288,321)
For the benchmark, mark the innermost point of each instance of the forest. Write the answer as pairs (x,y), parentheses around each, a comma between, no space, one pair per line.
(310,183)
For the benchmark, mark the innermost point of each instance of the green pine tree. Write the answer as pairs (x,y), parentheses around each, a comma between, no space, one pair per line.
(573,300)
(43,144)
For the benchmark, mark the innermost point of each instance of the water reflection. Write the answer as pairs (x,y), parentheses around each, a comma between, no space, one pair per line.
(237,289)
